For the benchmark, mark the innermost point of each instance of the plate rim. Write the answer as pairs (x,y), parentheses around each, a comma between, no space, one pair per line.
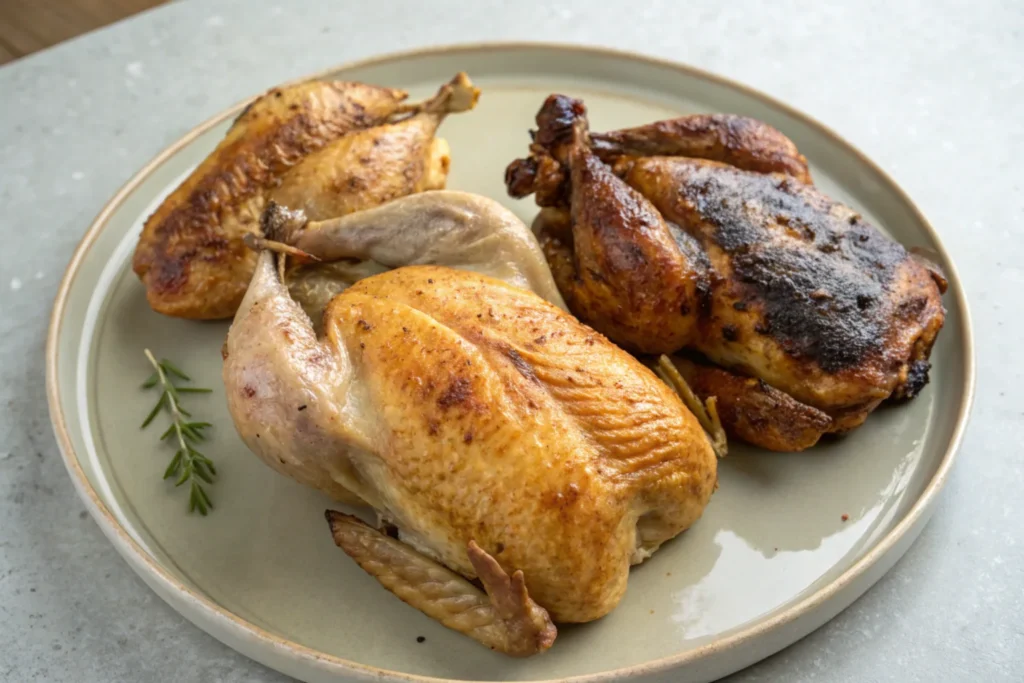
(905,529)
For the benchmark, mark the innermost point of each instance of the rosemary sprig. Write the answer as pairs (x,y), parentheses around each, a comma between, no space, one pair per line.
(188,464)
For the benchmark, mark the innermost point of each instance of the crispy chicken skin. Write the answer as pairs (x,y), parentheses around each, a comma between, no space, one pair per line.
(739,141)
(362,144)
(367,168)
(735,140)
(504,440)
(747,264)
(753,411)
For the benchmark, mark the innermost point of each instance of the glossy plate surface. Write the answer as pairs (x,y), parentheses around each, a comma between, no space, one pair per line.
(771,559)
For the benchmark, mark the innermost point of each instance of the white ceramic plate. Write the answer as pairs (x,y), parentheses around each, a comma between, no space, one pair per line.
(771,560)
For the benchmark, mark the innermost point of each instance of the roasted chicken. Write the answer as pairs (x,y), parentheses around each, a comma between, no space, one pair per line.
(454,229)
(496,437)
(705,235)
(326,147)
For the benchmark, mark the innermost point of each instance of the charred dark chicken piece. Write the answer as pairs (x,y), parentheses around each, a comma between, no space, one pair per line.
(744,262)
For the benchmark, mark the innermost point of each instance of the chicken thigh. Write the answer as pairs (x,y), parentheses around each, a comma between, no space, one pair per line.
(327,147)
(704,234)
(496,437)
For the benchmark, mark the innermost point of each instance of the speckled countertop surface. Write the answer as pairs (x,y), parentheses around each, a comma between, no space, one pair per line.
(931,90)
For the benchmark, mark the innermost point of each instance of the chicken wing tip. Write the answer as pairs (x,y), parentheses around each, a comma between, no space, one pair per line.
(512,623)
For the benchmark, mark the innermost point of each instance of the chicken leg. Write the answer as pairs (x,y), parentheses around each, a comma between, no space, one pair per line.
(739,141)
(371,166)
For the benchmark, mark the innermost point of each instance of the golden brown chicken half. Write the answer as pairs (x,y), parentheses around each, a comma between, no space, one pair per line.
(704,234)
(496,437)
(328,147)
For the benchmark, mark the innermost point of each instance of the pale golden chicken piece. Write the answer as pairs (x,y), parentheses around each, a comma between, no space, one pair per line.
(369,167)
(455,229)
(759,272)
(496,435)
(331,147)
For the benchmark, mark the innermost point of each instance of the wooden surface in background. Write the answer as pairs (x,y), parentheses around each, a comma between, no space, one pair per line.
(30,25)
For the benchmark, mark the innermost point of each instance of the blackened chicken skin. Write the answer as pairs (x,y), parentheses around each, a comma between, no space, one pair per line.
(734,256)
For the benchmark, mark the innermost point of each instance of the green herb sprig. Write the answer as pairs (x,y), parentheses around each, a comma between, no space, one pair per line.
(188,464)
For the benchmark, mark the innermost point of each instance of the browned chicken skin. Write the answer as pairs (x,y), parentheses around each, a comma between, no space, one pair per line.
(326,147)
(753,411)
(744,262)
(502,439)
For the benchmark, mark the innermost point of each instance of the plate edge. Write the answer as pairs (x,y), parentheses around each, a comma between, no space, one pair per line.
(912,520)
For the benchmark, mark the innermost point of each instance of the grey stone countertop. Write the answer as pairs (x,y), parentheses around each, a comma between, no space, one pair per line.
(932,90)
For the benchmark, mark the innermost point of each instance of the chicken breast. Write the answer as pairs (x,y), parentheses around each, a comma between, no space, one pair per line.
(496,435)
